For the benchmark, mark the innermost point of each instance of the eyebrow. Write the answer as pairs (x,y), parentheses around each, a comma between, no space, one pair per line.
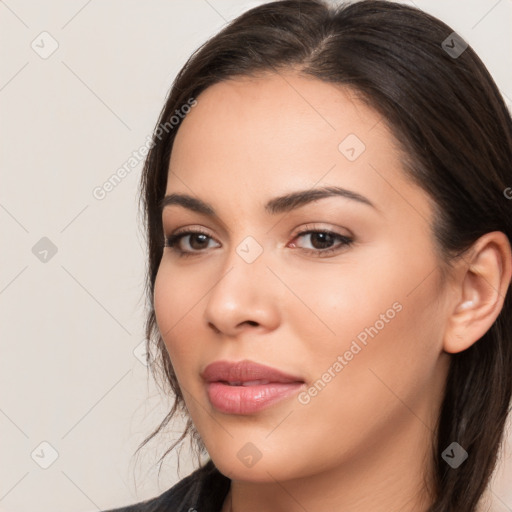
(274,206)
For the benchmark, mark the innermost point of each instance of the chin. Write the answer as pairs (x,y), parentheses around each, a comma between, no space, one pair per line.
(268,468)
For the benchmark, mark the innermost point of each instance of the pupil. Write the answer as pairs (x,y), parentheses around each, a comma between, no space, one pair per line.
(324,239)
(195,237)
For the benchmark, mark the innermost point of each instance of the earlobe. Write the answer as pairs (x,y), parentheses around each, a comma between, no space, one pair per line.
(483,278)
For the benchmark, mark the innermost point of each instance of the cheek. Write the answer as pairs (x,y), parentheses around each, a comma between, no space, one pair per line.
(176,301)
(165,299)
(381,318)
(378,367)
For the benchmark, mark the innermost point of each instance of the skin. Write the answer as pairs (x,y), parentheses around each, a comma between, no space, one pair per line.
(363,442)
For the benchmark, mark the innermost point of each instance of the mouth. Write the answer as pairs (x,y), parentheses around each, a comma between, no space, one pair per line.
(246,383)
(246,387)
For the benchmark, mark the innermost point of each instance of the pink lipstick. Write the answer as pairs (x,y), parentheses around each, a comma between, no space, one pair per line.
(246,387)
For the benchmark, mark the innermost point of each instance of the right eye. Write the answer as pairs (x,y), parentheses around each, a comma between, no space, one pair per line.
(195,242)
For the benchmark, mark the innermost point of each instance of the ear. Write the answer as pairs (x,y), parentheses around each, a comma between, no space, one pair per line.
(480,285)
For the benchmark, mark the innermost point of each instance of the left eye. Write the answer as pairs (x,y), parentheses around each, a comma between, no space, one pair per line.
(322,241)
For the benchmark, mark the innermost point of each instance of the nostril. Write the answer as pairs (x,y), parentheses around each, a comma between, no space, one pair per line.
(217,331)
(214,328)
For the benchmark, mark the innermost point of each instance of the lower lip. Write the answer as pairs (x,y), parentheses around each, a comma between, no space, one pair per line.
(249,399)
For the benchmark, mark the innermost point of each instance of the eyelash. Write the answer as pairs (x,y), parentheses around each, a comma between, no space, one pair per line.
(173,241)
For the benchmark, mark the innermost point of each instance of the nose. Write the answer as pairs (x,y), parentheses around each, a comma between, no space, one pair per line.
(244,297)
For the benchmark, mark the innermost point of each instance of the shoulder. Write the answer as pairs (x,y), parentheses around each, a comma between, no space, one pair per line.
(204,490)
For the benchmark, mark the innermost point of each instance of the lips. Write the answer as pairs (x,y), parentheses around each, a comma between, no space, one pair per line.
(245,373)
(245,387)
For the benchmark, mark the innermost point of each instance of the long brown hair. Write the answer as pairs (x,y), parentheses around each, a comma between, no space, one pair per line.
(456,135)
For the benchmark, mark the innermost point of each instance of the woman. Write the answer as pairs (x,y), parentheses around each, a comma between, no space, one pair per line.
(329,220)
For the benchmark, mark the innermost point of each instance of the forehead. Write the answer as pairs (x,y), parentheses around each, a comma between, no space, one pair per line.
(279,132)
(278,115)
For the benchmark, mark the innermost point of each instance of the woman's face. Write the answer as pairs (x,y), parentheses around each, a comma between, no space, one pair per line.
(359,325)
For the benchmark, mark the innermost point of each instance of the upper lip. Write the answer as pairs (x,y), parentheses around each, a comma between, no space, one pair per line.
(245,371)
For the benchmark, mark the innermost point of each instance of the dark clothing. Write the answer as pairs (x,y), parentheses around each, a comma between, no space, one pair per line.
(204,490)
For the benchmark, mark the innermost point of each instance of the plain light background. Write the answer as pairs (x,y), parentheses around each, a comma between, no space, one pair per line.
(74,392)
